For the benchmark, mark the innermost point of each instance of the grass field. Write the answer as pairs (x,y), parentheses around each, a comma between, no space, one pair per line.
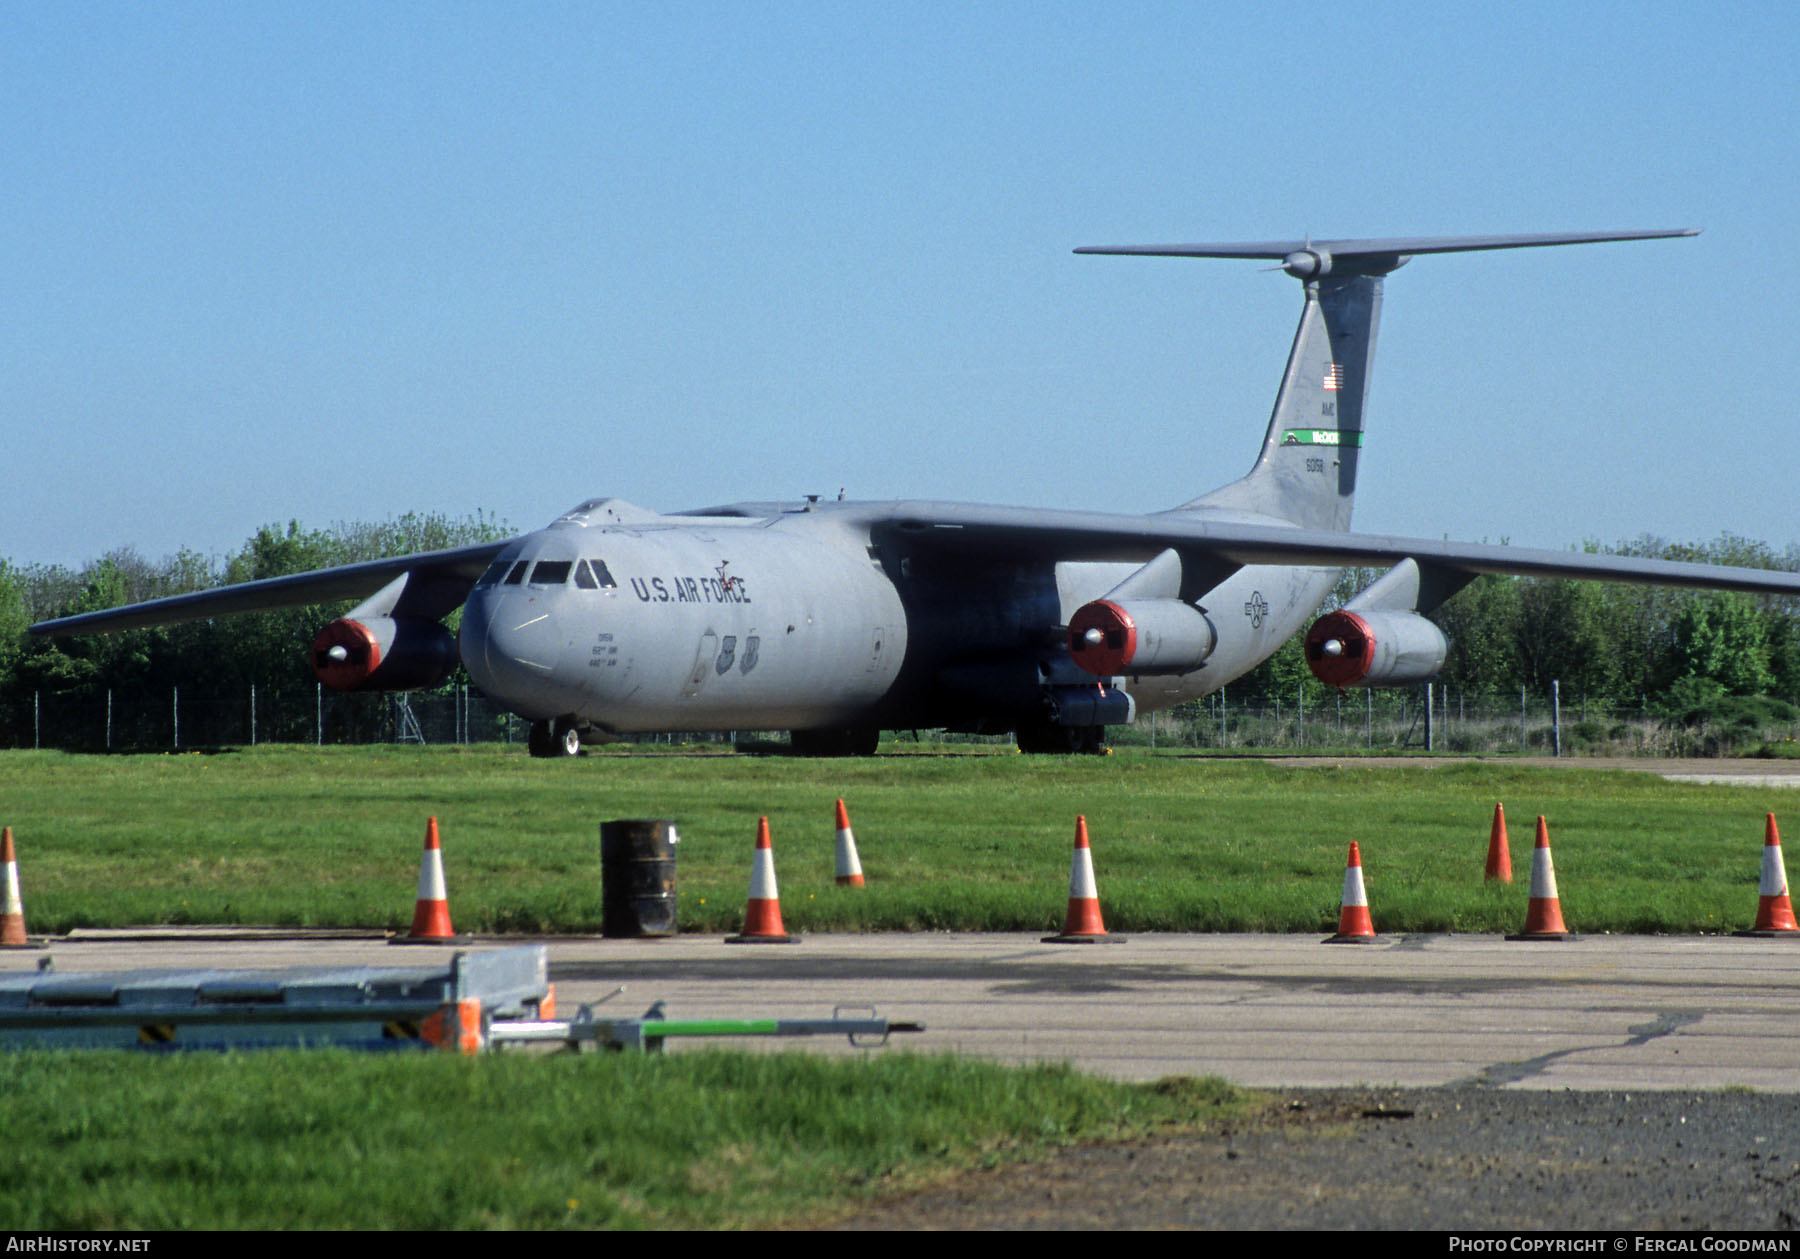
(291,836)
(331,837)
(286,1140)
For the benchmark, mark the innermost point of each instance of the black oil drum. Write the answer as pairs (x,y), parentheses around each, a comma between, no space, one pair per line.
(637,878)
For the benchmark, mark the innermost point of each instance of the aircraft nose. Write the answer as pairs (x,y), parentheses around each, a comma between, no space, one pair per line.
(510,644)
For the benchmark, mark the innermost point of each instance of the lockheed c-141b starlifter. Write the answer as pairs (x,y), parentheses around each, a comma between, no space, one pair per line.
(835,620)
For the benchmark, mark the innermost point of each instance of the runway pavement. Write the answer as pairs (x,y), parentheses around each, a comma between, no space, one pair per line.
(1599,1012)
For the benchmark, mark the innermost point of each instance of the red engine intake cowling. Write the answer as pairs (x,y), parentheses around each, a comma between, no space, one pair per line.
(383,654)
(1139,636)
(1373,648)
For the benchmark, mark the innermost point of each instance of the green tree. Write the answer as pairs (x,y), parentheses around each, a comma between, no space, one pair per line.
(1723,637)
(1482,623)
(1561,636)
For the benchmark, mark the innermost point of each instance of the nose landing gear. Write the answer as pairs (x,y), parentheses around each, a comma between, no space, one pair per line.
(561,737)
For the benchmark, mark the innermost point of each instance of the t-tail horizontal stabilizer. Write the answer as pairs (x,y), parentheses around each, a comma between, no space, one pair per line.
(1309,259)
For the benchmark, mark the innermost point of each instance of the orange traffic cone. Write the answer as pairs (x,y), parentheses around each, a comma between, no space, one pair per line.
(762,913)
(1543,917)
(1082,923)
(1499,863)
(431,910)
(12,909)
(849,867)
(1774,913)
(1354,926)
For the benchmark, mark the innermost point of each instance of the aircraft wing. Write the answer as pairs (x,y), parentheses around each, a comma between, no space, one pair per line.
(1213,549)
(441,579)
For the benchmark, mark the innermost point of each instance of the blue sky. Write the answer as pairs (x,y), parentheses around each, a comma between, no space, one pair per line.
(340,262)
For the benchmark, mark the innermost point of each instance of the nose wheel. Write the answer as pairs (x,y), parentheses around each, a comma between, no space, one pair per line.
(561,737)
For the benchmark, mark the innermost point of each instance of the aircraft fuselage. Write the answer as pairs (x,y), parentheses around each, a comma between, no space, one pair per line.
(799,621)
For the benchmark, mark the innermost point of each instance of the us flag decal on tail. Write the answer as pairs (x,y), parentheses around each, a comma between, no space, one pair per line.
(1334,375)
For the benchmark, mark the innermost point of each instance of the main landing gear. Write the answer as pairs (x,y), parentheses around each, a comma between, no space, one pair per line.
(846,741)
(1049,738)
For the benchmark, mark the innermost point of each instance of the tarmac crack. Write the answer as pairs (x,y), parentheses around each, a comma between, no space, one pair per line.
(1638,1034)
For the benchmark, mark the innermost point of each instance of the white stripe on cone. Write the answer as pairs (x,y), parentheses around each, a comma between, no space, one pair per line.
(431,876)
(1774,877)
(1081,876)
(1543,877)
(762,875)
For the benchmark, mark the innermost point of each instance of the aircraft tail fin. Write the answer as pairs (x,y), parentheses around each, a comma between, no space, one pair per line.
(1306,472)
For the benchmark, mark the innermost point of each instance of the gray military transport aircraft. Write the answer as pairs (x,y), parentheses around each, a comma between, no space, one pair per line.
(836,620)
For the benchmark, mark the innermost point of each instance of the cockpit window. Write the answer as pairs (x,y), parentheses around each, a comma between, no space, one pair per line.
(602,574)
(518,573)
(495,572)
(583,577)
(551,572)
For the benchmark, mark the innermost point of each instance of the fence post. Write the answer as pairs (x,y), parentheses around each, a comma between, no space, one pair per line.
(109,719)
(36,743)
(175,714)
(1430,743)
(1556,714)
(318,714)
(1522,743)
(253,714)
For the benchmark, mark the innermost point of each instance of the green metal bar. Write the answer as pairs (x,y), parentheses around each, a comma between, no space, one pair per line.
(712,1027)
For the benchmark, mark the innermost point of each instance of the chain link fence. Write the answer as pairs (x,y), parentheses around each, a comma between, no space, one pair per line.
(1420,719)
(195,718)
(1410,719)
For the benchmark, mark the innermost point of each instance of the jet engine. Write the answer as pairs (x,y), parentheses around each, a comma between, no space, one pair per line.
(1139,636)
(1374,648)
(383,653)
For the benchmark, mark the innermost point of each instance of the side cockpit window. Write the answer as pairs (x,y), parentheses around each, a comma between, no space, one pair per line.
(518,573)
(495,572)
(593,575)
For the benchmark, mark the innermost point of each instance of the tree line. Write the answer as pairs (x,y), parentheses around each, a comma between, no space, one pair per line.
(1681,653)
(133,674)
